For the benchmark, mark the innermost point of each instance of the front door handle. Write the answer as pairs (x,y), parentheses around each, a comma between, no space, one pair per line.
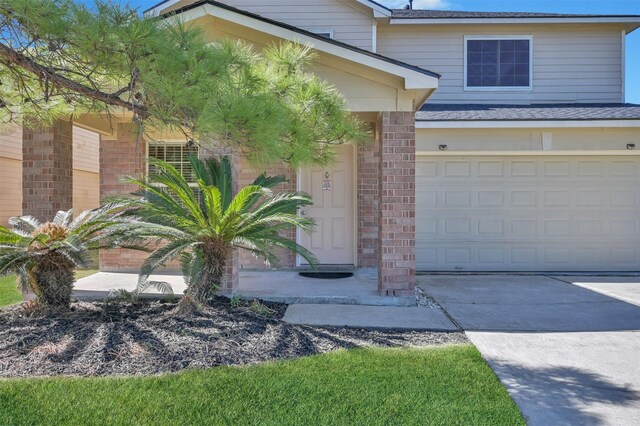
(303,213)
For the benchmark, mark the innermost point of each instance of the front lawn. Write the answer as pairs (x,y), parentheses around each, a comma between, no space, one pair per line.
(9,294)
(437,385)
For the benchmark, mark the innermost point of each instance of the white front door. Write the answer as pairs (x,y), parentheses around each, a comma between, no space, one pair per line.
(333,192)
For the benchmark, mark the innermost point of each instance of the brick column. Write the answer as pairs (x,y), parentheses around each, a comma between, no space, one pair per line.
(368,202)
(121,154)
(47,170)
(231,277)
(396,251)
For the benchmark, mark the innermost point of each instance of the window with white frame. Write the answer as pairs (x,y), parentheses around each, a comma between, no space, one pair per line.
(176,154)
(498,63)
(323,32)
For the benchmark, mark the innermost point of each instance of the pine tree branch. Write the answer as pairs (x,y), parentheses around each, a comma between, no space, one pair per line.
(38,70)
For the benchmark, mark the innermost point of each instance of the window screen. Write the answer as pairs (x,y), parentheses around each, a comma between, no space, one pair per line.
(498,63)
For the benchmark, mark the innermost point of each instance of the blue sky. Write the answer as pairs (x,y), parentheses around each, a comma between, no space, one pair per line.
(612,7)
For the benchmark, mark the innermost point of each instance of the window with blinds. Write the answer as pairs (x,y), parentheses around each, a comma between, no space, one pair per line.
(175,154)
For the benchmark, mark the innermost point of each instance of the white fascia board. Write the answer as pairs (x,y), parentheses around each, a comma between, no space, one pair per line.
(155,11)
(508,21)
(531,124)
(379,9)
(412,79)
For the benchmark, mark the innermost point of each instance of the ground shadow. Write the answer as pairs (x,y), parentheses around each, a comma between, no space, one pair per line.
(558,395)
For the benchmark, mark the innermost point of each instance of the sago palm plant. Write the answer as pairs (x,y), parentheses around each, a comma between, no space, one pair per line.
(44,256)
(200,225)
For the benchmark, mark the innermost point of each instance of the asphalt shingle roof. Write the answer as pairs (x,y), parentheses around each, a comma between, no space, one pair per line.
(483,112)
(454,14)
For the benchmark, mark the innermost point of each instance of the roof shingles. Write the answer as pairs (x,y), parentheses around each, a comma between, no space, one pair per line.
(535,112)
(455,14)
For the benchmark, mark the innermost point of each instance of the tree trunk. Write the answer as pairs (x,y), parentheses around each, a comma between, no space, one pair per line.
(54,277)
(205,289)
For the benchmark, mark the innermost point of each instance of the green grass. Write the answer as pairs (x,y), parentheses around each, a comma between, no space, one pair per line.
(446,385)
(9,294)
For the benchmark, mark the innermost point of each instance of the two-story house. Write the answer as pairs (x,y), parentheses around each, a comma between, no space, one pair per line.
(501,142)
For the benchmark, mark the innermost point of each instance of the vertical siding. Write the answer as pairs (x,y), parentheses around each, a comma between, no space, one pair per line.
(11,189)
(86,190)
(571,63)
(350,22)
(86,168)
(11,143)
(86,150)
(10,173)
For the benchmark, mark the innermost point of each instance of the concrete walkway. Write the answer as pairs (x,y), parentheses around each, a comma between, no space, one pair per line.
(275,286)
(566,348)
(375,317)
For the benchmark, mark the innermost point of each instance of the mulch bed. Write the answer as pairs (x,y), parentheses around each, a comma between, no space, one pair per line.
(99,339)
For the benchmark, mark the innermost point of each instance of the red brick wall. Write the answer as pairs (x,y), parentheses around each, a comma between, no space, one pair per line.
(122,156)
(368,201)
(47,170)
(247,176)
(397,204)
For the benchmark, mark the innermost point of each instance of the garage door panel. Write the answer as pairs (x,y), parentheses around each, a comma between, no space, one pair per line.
(527,214)
(591,169)
(523,230)
(460,168)
(526,258)
(490,168)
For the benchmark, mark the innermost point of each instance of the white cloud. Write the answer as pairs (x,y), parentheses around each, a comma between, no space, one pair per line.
(418,4)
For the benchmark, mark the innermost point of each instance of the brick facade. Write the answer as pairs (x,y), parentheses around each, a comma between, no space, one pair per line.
(396,274)
(385,202)
(122,155)
(368,201)
(47,170)
(247,176)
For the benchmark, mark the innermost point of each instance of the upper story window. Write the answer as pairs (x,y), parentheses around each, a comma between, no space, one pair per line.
(323,32)
(498,63)
(176,154)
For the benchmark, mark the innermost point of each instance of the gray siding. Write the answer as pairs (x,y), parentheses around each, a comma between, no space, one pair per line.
(350,22)
(570,63)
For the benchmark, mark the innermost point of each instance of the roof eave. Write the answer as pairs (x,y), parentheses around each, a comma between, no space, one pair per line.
(415,78)
(380,11)
(525,124)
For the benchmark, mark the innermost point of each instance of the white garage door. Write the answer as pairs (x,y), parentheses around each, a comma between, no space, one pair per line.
(528,213)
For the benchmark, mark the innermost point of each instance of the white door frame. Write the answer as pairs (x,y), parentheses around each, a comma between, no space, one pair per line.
(354,168)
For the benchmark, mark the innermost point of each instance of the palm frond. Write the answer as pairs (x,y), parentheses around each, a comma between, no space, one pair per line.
(145,284)
(63,218)
(211,203)
(27,223)
(178,188)
(192,264)
(164,254)
(269,181)
(215,172)
(12,260)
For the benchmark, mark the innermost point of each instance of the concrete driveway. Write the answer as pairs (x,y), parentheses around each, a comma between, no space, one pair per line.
(566,348)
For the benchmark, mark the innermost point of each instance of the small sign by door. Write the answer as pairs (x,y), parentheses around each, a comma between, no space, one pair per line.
(326,185)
